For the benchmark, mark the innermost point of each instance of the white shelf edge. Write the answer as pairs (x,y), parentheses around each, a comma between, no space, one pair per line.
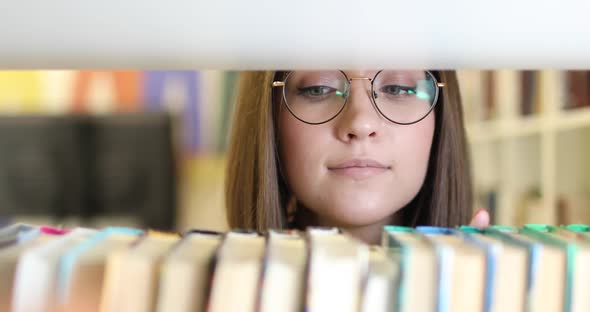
(496,130)
(573,119)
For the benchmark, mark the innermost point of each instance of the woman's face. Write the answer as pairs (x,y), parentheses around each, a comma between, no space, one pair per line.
(359,168)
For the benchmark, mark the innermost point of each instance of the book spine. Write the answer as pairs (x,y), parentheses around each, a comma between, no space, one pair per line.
(541,232)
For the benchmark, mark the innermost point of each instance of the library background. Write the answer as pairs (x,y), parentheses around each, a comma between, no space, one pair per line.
(116,171)
(146,148)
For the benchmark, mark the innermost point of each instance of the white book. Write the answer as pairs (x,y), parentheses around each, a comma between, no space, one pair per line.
(82,268)
(132,275)
(283,277)
(188,265)
(337,264)
(36,280)
(237,273)
(9,257)
(380,293)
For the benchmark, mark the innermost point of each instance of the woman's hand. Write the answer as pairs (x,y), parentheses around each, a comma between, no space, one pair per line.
(480,219)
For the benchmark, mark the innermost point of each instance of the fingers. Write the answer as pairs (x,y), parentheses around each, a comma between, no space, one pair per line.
(481,219)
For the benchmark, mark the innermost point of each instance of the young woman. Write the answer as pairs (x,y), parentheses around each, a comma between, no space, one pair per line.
(352,149)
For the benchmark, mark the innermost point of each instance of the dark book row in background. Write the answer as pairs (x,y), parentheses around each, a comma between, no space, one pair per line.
(87,167)
(575,87)
(578,83)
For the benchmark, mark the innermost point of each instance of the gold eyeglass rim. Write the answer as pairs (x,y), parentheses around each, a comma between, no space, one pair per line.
(439,85)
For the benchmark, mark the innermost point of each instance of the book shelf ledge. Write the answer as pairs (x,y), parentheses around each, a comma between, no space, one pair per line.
(488,131)
(573,119)
(495,130)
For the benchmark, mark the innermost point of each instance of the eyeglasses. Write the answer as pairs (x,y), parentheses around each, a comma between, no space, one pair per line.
(402,97)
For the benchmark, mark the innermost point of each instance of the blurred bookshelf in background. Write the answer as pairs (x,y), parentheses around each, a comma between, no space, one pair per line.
(84,143)
(529,133)
(133,148)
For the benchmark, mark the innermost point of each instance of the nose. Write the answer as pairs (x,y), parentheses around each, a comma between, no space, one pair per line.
(359,120)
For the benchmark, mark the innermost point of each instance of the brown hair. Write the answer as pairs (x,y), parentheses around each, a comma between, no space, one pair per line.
(256,194)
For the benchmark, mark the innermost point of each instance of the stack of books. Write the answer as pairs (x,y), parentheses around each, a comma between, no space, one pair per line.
(530,268)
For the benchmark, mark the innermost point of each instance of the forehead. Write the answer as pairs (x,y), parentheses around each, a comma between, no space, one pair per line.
(360,73)
(371,73)
(351,74)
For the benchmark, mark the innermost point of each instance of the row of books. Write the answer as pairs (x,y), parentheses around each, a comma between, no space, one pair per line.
(480,92)
(500,268)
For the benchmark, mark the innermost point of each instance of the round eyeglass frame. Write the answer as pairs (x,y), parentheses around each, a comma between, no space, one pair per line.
(437,84)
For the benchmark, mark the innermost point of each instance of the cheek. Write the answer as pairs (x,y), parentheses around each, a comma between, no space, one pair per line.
(299,149)
(413,153)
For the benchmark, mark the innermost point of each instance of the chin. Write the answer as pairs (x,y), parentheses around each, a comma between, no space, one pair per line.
(355,215)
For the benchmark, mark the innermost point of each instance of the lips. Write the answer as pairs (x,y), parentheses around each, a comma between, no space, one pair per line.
(359,163)
(359,168)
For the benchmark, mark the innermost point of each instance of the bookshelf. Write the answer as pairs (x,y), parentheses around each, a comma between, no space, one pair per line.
(536,167)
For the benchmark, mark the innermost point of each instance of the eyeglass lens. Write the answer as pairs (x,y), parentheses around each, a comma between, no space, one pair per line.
(400,96)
